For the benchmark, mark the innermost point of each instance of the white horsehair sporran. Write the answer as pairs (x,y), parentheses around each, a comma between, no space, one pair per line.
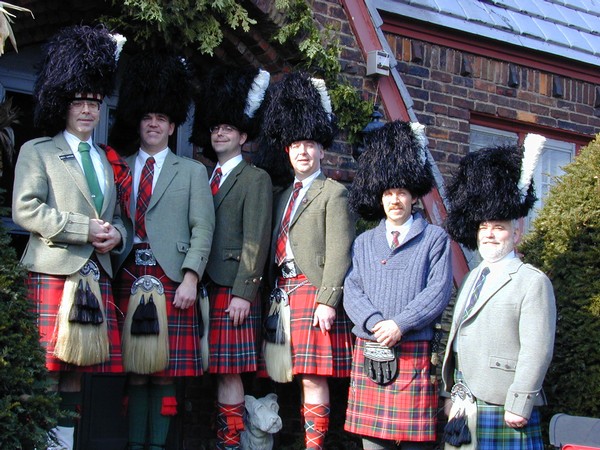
(461,429)
(145,332)
(81,333)
(277,348)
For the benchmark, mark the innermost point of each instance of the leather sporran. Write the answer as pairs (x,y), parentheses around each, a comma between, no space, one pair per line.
(381,363)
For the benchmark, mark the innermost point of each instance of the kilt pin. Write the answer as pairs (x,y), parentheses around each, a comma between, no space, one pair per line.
(406,409)
(185,358)
(45,292)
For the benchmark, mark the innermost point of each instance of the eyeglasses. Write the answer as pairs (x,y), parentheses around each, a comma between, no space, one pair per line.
(225,129)
(79,105)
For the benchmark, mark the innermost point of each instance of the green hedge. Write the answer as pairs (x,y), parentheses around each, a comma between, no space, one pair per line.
(565,243)
(27,410)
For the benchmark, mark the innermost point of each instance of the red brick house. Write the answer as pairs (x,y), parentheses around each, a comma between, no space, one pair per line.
(475,72)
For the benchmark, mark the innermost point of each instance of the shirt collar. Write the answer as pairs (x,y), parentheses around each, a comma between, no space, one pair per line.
(308,181)
(230,165)
(159,158)
(74,141)
(403,229)
(500,264)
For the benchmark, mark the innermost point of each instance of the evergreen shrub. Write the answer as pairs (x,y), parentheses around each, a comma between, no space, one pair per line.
(565,244)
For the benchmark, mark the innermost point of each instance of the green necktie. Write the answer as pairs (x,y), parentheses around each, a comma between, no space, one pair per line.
(90,175)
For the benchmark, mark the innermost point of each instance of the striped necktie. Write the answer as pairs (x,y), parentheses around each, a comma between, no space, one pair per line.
(476,290)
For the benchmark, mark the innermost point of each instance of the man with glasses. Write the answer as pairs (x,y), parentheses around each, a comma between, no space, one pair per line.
(65,196)
(172,226)
(242,196)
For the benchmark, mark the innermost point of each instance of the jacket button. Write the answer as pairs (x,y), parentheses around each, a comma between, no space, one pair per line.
(497,364)
(384,262)
(507,366)
(516,395)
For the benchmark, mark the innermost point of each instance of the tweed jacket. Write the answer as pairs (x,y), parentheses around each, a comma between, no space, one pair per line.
(180,217)
(52,200)
(321,234)
(240,244)
(505,344)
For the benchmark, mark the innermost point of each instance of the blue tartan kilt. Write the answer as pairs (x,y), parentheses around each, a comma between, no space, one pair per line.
(494,434)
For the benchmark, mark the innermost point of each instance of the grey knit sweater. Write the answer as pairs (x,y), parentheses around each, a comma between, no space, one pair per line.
(411,285)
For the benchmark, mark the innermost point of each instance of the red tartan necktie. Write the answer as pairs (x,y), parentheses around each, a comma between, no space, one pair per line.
(143,198)
(395,239)
(122,176)
(214,183)
(284,228)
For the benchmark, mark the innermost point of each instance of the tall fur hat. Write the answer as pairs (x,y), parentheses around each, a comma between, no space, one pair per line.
(296,108)
(493,183)
(154,83)
(394,157)
(230,96)
(77,60)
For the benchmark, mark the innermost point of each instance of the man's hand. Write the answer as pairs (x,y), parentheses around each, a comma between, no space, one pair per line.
(387,333)
(514,420)
(324,317)
(238,310)
(185,295)
(103,236)
(447,406)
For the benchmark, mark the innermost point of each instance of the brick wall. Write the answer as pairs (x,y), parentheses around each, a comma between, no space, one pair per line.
(445,97)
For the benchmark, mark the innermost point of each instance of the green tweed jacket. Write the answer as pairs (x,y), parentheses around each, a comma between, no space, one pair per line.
(240,245)
(321,235)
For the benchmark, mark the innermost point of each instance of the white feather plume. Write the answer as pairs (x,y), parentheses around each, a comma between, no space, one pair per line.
(419,131)
(322,90)
(120,41)
(533,145)
(256,95)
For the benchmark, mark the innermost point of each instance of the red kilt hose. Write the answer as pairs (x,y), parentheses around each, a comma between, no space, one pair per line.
(402,411)
(45,292)
(232,349)
(315,353)
(184,324)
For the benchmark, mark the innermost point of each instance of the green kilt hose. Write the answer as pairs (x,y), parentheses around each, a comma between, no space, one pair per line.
(45,292)
(315,353)
(494,434)
(185,358)
(404,410)
(232,349)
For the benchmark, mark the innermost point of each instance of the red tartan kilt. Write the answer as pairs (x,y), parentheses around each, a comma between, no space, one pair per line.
(313,352)
(184,324)
(402,411)
(45,292)
(232,349)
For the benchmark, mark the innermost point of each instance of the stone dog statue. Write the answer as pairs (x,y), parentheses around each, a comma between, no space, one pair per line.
(261,422)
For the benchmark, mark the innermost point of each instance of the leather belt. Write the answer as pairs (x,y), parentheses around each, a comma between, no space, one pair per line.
(289,269)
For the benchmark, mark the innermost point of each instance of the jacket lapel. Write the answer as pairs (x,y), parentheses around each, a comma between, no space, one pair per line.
(109,185)
(67,158)
(313,192)
(497,284)
(167,173)
(229,183)
(130,160)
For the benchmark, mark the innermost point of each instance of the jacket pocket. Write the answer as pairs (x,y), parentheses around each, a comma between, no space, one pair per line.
(183,247)
(232,254)
(506,364)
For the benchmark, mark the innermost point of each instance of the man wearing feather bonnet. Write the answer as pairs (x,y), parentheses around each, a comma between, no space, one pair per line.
(502,334)
(65,196)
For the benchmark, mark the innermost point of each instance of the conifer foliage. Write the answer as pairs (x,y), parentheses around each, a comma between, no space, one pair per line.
(565,243)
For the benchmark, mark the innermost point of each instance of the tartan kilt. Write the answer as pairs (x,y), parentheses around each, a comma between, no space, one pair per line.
(315,353)
(45,292)
(232,349)
(185,358)
(494,434)
(404,410)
